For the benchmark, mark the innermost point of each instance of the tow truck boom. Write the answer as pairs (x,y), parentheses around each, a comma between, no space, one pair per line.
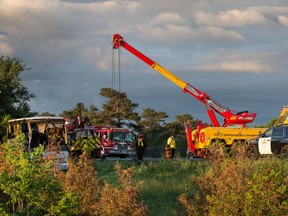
(230,117)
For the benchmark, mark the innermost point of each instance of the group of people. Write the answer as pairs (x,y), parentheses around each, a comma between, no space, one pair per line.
(141,145)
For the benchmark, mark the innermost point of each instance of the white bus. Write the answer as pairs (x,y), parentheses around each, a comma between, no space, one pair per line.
(48,131)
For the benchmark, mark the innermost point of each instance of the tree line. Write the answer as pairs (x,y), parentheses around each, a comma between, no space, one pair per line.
(117,110)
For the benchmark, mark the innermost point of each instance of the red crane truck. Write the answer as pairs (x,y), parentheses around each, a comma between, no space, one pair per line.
(233,128)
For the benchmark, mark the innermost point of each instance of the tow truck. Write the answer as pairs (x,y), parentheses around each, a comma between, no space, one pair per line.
(233,128)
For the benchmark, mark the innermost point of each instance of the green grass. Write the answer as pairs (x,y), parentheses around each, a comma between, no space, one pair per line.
(162,182)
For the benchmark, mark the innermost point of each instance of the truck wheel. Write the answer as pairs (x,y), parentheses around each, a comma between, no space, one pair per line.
(253,153)
(284,152)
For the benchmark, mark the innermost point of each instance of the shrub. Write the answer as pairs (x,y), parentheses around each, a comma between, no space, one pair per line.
(81,180)
(123,200)
(239,186)
(28,185)
(96,196)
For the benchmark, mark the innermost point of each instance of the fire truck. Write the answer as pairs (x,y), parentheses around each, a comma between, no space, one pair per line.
(234,126)
(115,141)
(100,141)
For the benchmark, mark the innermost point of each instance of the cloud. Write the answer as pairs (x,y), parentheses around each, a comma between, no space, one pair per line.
(249,66)
(67,45)
(283,20)
(230,18)
(5,49)
(103,7)
(236,61)
(171,18)
(173,28)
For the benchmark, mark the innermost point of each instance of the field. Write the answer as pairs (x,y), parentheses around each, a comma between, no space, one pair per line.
(163,182)
(221,185)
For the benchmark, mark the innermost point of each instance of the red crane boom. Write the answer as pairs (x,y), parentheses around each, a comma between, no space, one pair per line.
(231,118)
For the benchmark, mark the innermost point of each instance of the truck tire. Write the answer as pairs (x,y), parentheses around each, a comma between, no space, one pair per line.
(284,152)
(253,152)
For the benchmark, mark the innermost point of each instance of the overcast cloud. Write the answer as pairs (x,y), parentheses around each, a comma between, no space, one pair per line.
(235,51)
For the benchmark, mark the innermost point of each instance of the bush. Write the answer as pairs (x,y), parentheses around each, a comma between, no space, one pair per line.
(28,185)
(81,180)
(239,186)
(123,200)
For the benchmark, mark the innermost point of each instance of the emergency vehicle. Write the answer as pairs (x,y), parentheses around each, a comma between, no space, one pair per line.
(101,141)
(274,141)
(115,141)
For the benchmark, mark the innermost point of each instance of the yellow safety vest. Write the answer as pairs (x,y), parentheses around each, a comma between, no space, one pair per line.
(140,143)
(171,142)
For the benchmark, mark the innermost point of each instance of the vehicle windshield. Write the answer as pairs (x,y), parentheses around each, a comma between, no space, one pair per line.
(268,133)
(122,136)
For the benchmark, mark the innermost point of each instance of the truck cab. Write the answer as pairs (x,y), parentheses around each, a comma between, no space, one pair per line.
(274,141)
(115,141)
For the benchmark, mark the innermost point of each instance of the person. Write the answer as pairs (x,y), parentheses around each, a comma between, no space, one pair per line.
(140,147)
(171,142)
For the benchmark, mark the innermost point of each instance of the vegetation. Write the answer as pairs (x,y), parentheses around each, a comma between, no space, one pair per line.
(14,95)
(29,185)
(239,186)
(118,110)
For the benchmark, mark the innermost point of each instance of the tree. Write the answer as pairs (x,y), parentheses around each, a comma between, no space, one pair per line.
(271,122)
(152,120)
(78,110)
(14,95)
(118,109)
(46,114)
(92,114)
(152,124)
(177,127)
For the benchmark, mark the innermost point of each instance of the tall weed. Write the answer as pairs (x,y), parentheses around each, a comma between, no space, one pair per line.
(123,200)
(239,186)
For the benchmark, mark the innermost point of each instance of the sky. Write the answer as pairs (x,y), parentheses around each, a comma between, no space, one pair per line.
(235,51)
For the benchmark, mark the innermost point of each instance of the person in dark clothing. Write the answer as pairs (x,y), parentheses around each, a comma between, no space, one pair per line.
(140,146)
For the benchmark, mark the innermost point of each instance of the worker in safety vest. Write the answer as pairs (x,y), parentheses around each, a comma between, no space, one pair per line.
(171,142)
(140,146)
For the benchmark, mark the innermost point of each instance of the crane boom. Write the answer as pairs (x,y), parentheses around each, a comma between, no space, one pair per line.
(230,118)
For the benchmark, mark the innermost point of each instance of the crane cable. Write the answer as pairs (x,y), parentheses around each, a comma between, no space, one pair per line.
(117,96)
